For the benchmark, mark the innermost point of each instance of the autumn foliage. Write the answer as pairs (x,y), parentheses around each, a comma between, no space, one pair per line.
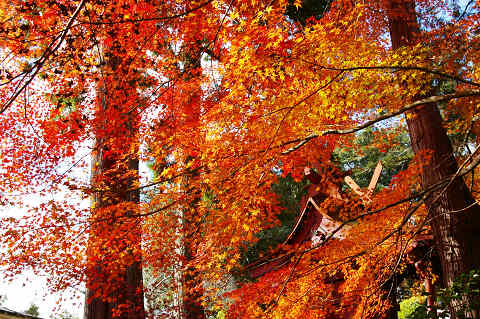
(222,99)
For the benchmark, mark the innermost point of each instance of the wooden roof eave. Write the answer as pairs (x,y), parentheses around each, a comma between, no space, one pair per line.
(302,217)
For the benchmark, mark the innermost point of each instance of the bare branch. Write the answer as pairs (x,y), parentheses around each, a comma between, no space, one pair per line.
(431,99)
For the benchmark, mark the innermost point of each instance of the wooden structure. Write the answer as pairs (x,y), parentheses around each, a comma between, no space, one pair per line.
(6,313)
(314,224)
(366,195)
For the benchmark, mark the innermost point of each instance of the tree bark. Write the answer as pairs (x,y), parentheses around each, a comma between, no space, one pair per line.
(192,307)
(115,283)
(126,293)
(454,214)
(190,109)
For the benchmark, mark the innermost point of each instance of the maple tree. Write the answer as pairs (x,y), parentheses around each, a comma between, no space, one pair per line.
(223,97)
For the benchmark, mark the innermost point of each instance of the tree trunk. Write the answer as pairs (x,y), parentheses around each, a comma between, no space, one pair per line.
(126,293)
(115,283)
(192,307)
(455,217)
(189,120)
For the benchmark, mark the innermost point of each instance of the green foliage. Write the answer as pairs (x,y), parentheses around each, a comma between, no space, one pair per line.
(308,9)
(413,308)
(67,104)
(33,310)
(363,157)
(465,291)
(65,315)
(289,195)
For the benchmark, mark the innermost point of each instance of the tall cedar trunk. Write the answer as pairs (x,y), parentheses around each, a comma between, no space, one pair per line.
(117,171)
(192,307)
(186,109)
(455,217)
(192,281)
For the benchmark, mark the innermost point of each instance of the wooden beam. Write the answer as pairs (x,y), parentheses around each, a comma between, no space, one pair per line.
(375,177)
(354,186)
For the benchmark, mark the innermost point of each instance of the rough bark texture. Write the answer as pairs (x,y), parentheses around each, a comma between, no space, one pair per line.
(455,217)
(115,170)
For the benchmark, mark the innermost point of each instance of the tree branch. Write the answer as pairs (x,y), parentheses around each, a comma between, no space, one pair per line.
(46,54)
(397,67)
(431,99)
